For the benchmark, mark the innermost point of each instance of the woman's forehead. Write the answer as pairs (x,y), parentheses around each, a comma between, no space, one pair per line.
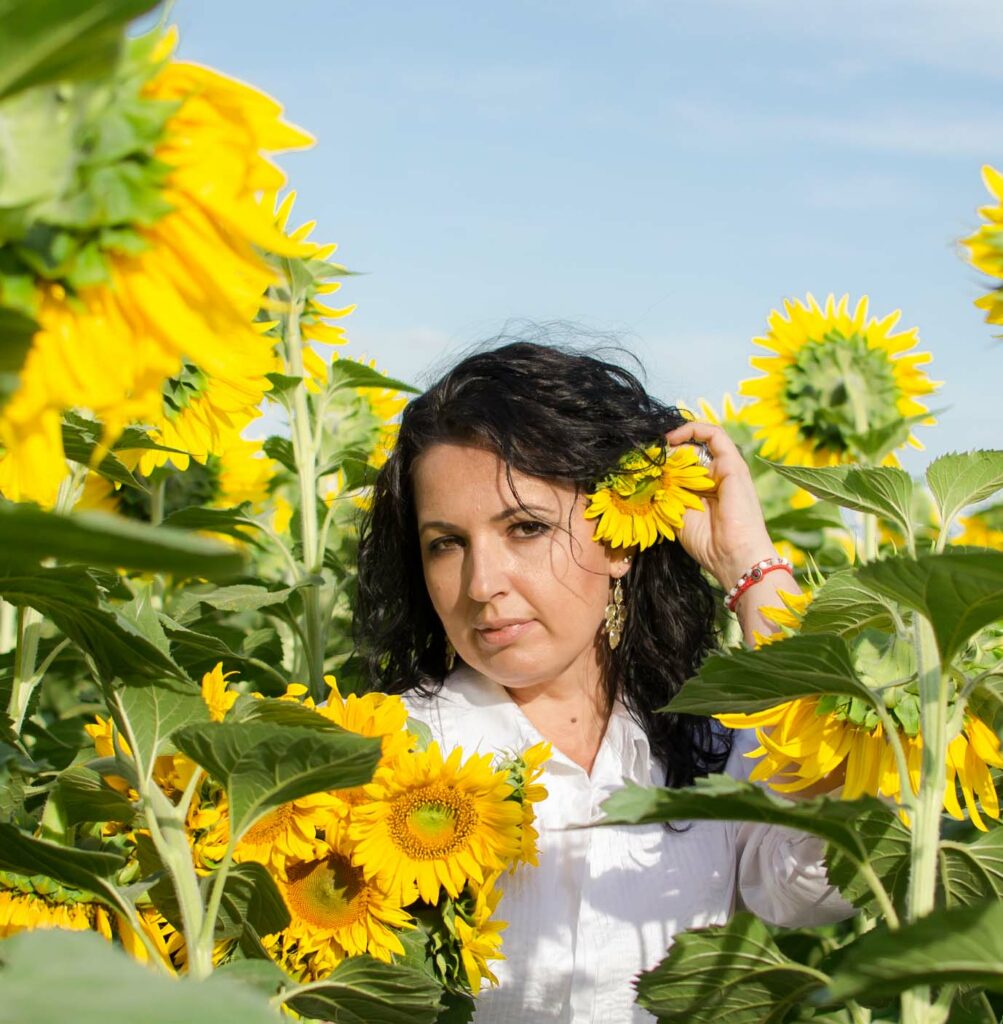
(456,474)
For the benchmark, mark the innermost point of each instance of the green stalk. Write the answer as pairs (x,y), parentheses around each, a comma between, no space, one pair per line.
(917,1007)
(305,455)
(167,832)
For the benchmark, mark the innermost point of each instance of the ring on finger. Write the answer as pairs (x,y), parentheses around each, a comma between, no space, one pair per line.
(704,456)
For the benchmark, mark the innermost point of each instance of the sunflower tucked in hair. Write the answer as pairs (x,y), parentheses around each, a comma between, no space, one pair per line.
(833,378)
(644,499)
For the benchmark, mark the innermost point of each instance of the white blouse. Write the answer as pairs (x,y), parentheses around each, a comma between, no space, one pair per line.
(605,903)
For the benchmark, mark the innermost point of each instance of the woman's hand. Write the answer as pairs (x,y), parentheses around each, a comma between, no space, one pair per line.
(730,535)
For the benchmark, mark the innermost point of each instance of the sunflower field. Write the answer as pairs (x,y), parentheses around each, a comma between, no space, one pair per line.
(204,816)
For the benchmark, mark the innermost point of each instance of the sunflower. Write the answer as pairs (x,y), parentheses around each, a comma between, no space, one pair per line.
(430,824)
(371,714)
(335,912)
(645,498)
(981,529)
(217,697)
(190,281)
(985,247)
(480,937)
(291,832)
(524,771)
(833,376)
(39,902)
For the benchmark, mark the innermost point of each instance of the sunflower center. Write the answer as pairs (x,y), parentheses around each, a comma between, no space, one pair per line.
(431,822)
(330,893)
(637,504)
(838,388)
(270,827)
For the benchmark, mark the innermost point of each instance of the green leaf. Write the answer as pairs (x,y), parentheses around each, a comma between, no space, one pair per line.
(81,869)
(887,845)
(281,450)
(61,40)
(231,521)
(98,539)
(346,373)
(844,606)
(69,597)
(743,681)
(960,479)
(879,490)
(240,597)
(723,798)
(282,383)
(263,975)
(80,437)
(958,591)
(819,516)
(51,977)
(972,872)
(84,796)
(960,945)
(250,899)
(732,972)
(16,332)
(361,989)
(264,765)
(148,713)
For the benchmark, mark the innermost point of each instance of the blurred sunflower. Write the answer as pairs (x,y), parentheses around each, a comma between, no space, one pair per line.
(645,498)
(430,824)
(985,247)
(39,902)
(834,377)
(479,935)
(182,277)
(982,529)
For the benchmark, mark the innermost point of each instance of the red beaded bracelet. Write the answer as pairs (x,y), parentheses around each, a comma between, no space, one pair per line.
(753,576)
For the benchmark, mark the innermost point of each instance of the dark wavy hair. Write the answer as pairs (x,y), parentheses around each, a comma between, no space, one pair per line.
(562,415)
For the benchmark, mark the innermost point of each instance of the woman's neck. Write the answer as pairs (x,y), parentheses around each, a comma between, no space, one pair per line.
(570,713)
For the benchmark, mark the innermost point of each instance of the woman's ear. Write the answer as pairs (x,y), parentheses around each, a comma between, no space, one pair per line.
(619,562)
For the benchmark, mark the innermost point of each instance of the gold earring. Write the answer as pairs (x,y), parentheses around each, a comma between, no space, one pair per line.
(616,617)
(450,655)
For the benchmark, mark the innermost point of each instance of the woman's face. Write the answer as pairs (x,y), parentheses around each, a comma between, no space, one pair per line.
(520,593)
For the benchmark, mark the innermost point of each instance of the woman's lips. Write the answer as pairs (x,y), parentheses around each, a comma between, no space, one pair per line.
(503,632)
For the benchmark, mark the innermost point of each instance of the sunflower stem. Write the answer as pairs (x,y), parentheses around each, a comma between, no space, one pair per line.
(215,899)
(917,1007)
(305,455)
(170,839)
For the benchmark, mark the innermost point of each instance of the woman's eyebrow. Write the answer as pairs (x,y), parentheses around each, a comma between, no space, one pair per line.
(506,513)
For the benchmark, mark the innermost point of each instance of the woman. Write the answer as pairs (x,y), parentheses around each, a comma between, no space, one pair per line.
(483,598)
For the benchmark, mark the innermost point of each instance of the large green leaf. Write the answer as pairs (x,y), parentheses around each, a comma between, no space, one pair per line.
(732,972)
(723,798)
(149,712)
(361,990)
(241,597)
(880,490)
(60,40)
(250,899)
(68,596)
(800,666)
(232,521)
(264,765)
(82,869)
(973,872)
(960,479)
(51,977)
(960,945)
(844,606)
(958,591)
(95,538)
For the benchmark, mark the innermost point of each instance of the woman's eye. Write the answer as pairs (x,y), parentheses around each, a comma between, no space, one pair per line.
(530,528)
(443,544)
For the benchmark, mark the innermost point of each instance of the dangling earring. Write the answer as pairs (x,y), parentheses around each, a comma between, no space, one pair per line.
(450,655)
(616,617)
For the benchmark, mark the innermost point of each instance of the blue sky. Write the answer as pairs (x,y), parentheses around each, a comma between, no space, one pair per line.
(666,170)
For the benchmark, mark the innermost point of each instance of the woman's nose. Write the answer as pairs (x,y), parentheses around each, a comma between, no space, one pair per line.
(487,572)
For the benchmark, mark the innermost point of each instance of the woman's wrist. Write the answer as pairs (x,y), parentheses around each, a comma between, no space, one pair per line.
(737,564)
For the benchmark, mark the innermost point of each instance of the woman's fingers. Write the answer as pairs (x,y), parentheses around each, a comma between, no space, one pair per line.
(727,457)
